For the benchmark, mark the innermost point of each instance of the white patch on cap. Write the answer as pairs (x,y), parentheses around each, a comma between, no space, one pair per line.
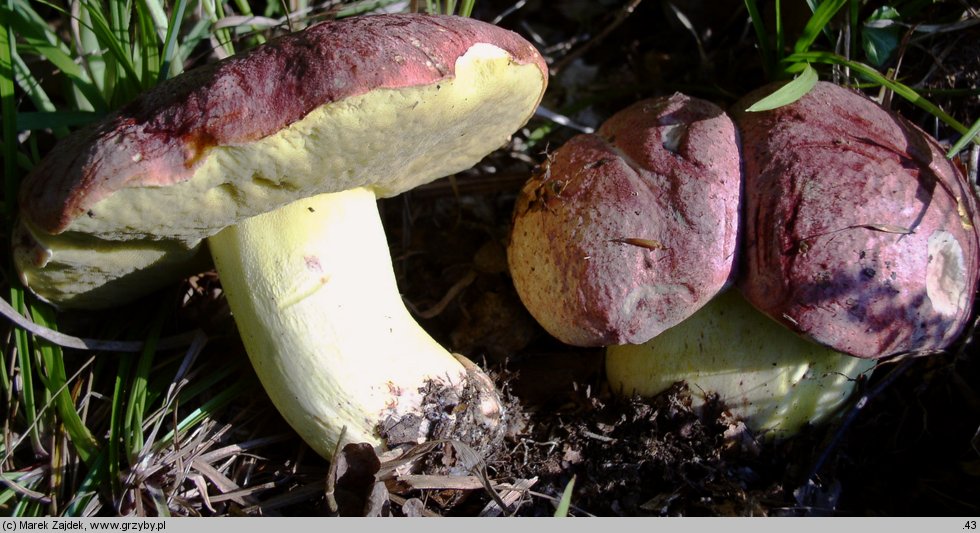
(671,135)
(946,273)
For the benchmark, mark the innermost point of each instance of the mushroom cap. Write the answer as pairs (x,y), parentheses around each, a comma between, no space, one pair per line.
(386,102)
(860,234)
(628,231)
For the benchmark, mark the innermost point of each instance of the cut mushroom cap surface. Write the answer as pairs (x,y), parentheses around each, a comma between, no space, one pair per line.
(859,234)
(385,102)
(627,232)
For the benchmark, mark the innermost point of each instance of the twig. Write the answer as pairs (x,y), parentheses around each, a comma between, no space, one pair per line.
(852,415)
(597,436)
(972,163)
(510,10)
(295,495)
(243,447)
(621,17)
(441,305)
(509,494)
(329,489)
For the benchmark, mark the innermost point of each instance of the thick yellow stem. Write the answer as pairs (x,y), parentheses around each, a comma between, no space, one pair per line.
(767,375)
(312,290)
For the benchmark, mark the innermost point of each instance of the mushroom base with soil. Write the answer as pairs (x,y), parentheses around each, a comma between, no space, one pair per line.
(313,293)
(769,377)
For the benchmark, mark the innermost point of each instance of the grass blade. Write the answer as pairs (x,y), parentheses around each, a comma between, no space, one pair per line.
(120,54)
(761,36)
(6,388)
(824,13)
(26,366)
(878,78)
(136,407)
(372,5)
(57,384)
(789,93)
(969,136)
(119,15)
(8,109)
(780,35)
(170,42)
(566,500)
(116,424)
(88,488)
(37,37)
(87,50)
(221,36)
(147,48)
(30,85)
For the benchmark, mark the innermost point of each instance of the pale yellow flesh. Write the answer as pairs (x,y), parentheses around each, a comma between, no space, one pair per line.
(768,376)
(313,293)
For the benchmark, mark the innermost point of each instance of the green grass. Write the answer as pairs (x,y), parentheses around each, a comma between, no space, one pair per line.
(561,511)
(877,44)
(50,83)
(464,8)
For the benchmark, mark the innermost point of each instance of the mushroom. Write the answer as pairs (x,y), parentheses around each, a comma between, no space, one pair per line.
(767,376)
(633,232)
(627,232)
(859,233)
(275,158)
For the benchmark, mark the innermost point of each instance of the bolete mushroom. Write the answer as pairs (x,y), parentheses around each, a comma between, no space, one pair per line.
(628,231)
(276,158)
(633,231)
(859,233)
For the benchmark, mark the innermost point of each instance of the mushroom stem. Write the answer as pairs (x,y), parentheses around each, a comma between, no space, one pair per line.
(313,293)
(764,373)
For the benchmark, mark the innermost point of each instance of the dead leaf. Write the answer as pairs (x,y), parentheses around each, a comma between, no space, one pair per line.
(887,228)
(649,244)
(413,507)
(352,479)
(378,503)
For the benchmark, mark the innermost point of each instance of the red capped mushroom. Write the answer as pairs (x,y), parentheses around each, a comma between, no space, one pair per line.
(859,233)
(276,158)
(629,231)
